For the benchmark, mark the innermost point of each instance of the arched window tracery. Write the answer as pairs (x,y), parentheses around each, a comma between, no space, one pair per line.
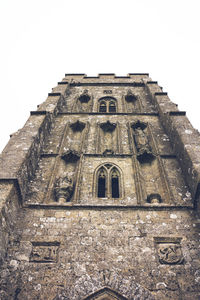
(102,107)
(109,182)
(112,106)
(107,105)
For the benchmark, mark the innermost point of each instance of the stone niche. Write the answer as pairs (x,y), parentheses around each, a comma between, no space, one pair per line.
(108,139)
(84,102)
(132,102)
(153,185)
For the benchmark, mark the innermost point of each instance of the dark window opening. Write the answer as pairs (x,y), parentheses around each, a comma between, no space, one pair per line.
(102,107)
(112,107)
(102,184)
(115,187)
(101,187)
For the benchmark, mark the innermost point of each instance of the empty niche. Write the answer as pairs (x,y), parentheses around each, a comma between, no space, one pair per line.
(75,135)
(108,182)
(107,105)
(108,144)
(131,102)
(84,102)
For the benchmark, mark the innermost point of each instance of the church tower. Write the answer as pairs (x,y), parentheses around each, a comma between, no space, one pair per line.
(99,195)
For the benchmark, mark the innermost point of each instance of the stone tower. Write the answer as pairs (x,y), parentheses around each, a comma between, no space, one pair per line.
(99,195)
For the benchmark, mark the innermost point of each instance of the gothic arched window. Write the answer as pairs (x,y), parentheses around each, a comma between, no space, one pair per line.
(107,105)
(114,177)
(112,106)
(102,174)
(108,182)
(102,106)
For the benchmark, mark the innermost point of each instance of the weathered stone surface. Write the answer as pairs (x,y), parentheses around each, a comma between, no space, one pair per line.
(100,205)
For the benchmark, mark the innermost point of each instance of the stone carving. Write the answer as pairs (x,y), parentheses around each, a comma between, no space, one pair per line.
(44,252)
(107,91)
(71,156)
(84,97)
(108,152)
(77,126)
(144,151)
(130,97)
(170,253)
(108,126)
(63,189)
(154,199)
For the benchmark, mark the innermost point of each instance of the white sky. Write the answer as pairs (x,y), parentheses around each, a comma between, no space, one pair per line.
(41,40)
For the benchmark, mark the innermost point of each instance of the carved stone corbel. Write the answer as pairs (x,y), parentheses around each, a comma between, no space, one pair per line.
(154,199)
(108,126)
(108,152)
(71,156)
(84,97)
(77,126)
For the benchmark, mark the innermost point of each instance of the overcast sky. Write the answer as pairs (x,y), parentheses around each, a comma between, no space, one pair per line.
(41,40)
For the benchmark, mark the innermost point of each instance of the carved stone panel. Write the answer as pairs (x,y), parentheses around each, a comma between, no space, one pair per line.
(169,251)
(44,252)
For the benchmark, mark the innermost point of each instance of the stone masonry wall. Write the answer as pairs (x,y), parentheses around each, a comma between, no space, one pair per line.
(97,248)
(92,247)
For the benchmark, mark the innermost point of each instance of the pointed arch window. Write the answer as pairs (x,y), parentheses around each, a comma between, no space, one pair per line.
(112,107)
(109,182)
(107,105)
(102,174)
(115,183)
(102,107)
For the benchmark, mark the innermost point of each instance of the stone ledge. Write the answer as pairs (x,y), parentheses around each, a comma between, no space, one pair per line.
(139,83)
(108,114)
(38,112)
(75,74)
(152,82)
(63,82)
(139,74)
(72,206)
(177,113)
(160,94)
(54,94)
